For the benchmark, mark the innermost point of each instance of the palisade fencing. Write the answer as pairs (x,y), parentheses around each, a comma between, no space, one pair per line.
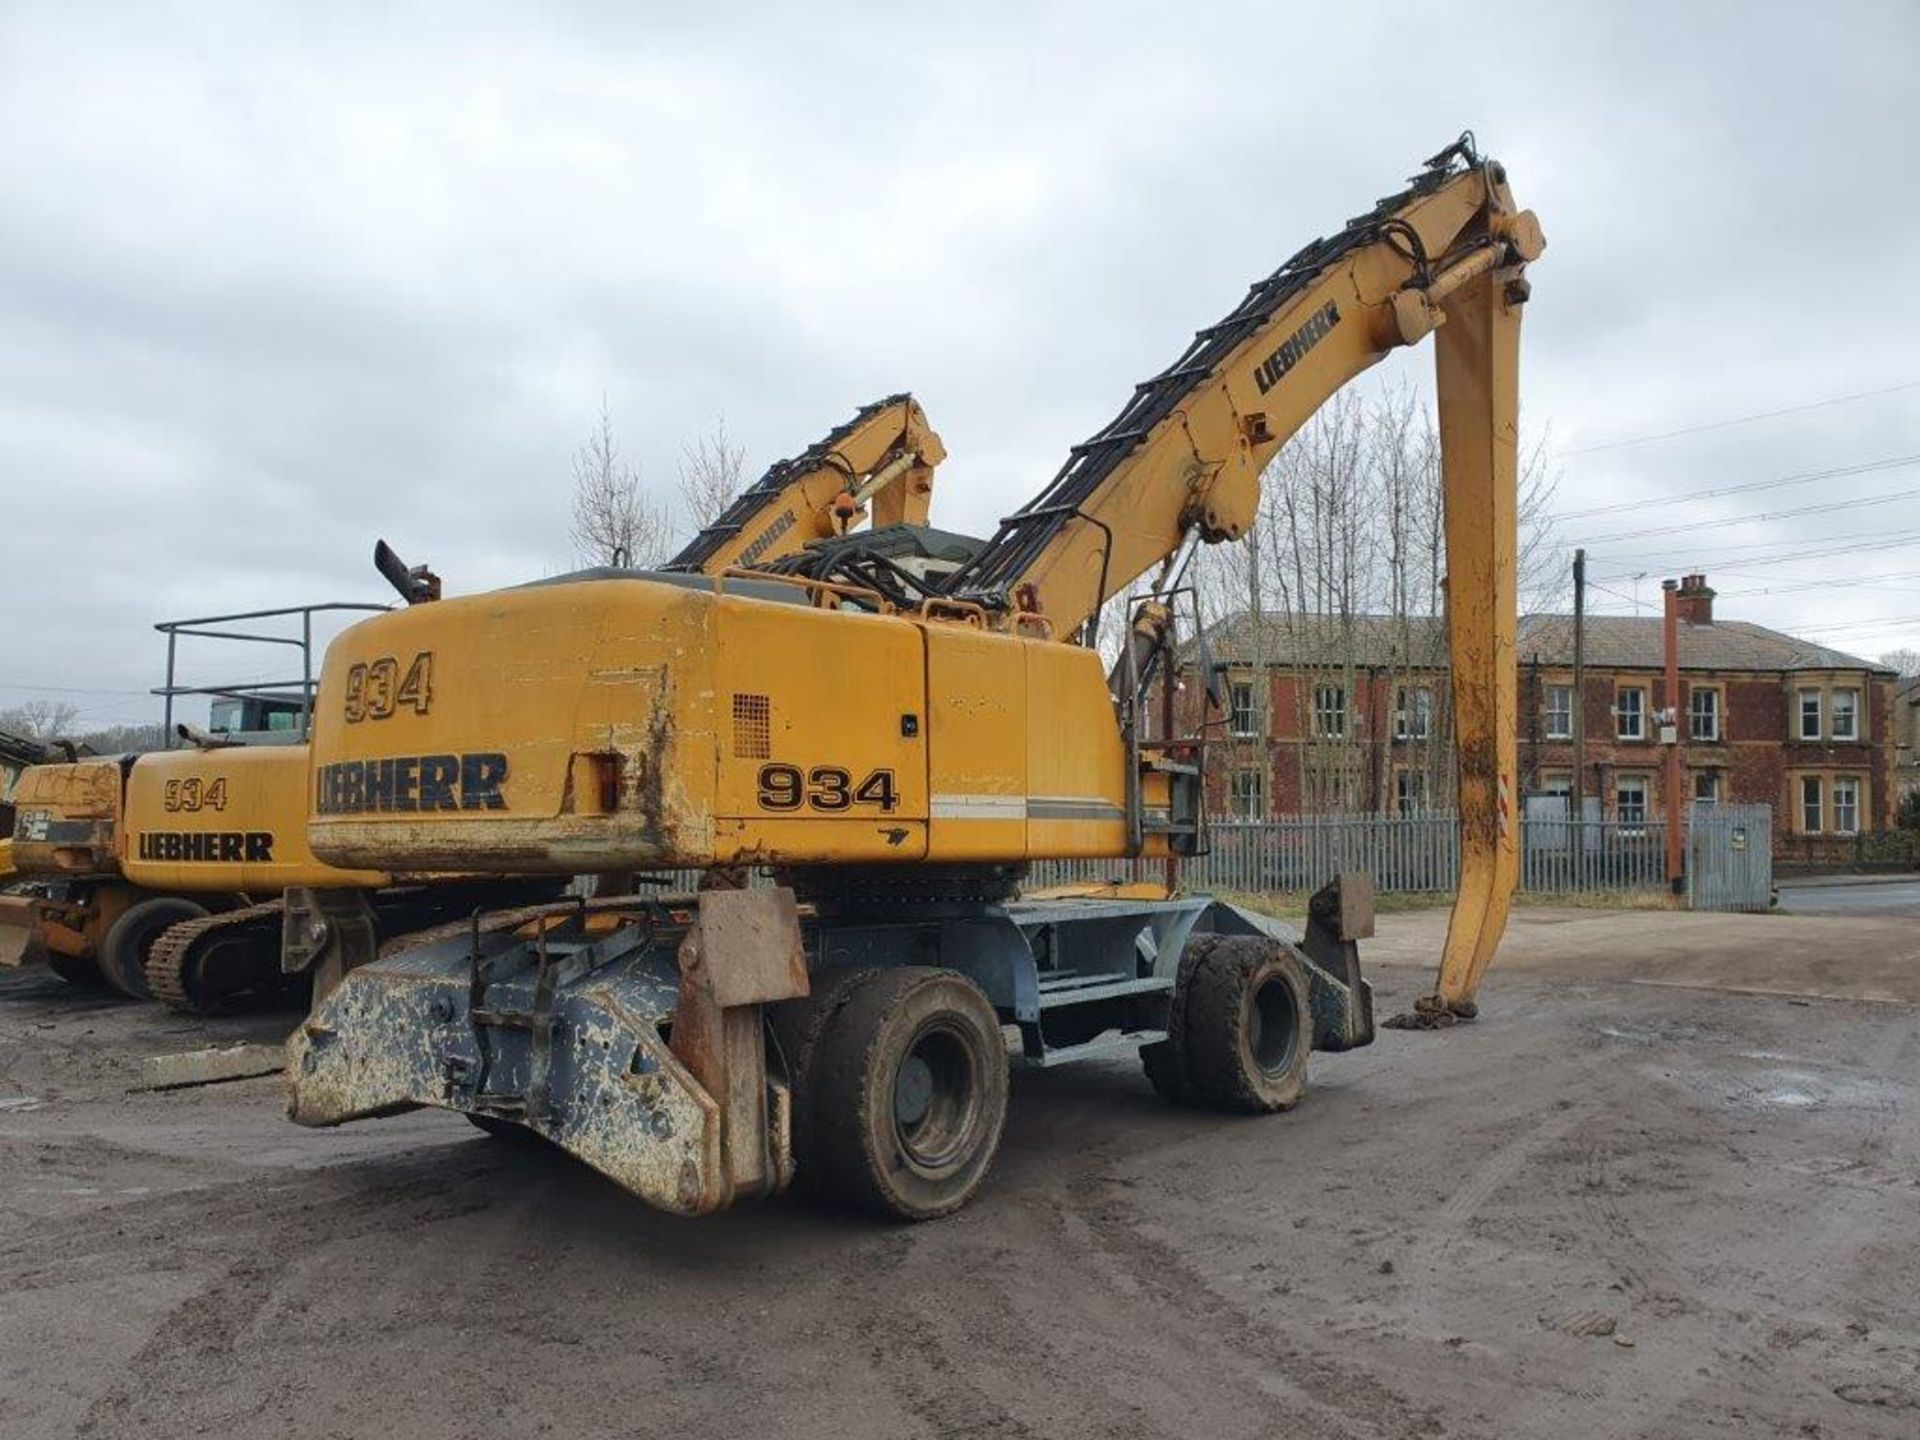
(1414,853)
(1729,855)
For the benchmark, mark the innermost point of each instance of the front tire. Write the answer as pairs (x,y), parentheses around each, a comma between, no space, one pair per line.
(1249,1027)
(123,953)
(909,1093)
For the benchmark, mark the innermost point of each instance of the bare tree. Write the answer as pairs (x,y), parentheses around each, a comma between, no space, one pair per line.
(711,472)
(41,719)
(1339,590)
(1907,662)
(615,522)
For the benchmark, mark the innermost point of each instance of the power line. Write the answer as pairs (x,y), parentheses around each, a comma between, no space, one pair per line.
(1866,468)
(1864,624)
(1697,555)
(1621,444)
(65,689)
(1847,584)
(1827,508)
(1840,545)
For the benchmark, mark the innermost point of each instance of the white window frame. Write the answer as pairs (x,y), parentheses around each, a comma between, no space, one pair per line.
(1234,689)
(1852,732)
(1711,694)
(1819,708)
(1712,779)
(1814,785)
(1413,715)
(1247,801)
(1558,729)
(1323,711)
(1639,731)
(1410,791)
(1645,803)
(1851,786)
(1557,782)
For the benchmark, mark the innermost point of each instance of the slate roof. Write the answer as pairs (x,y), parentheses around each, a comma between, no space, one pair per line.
(1614,642)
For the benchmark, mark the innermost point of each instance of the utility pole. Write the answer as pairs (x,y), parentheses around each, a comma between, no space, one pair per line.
(1579,684)
(1670,740)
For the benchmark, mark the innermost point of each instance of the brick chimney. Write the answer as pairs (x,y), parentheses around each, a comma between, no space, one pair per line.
(1695,600)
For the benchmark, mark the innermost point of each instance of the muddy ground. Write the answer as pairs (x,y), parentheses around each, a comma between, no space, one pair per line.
(1669,1186)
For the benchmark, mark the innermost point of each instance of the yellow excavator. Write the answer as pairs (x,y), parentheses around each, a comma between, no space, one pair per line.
(163,873)
(894,726)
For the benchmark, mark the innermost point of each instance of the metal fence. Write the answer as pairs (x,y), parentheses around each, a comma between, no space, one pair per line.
(1728,854)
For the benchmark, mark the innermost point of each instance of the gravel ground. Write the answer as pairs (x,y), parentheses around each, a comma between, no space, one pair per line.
(1667,1186)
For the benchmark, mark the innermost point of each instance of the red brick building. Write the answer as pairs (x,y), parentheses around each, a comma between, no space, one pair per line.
(1332,713)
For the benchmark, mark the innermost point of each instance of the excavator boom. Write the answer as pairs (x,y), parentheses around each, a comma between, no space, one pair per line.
(882,460)
(1184,458)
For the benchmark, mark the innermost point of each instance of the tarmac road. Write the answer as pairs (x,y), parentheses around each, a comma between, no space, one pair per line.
(1665,1187)
(1867,897)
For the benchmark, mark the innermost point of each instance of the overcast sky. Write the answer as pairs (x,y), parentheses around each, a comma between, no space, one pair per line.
(275,281)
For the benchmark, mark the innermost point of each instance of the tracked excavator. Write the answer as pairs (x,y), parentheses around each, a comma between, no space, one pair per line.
(893,726)
(164,873)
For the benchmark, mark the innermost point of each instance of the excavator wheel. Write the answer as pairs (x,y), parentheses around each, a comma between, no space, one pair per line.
(1165,1061)
(1249,1027)
(80,971)
(494,1128)
(910,1093)
(798,1026)
(123,953)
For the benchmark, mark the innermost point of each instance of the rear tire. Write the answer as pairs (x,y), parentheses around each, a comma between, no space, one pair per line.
(123,954)
(798,1027)
(1165,1061)
(80,971)
(1249,1027)
(494,1128)
(910,1093)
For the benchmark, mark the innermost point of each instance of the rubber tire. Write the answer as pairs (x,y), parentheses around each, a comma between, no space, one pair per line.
(1165,1061)
(798,1026)
(855,1069)
(494,1128)
(1221,1063)
(80,971)
(123,954)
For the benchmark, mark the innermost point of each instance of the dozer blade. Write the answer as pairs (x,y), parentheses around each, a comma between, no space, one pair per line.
(17,924)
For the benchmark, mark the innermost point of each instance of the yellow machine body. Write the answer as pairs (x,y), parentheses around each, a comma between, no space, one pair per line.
(583,726)
(616,724)
(227,820)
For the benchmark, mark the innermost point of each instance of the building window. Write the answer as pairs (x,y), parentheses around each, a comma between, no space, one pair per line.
(1846,714)
(1703,713)
(1706,787)
(1413,714)
(1329,792)
(1630,712)
(1330,712)
(1630,799)
(1809,714)
(1810,807)
(1242,718)
(1249,794)
(1559,710)
(1410,791)
(1556,782)
(1846,803)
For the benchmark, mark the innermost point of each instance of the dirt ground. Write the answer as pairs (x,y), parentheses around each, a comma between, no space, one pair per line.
(1668,1186)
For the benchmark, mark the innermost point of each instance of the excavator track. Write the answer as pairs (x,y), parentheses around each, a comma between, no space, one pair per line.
(174,963)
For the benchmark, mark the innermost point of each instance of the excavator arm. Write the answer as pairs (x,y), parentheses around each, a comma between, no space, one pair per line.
(1182,462)
(880,463)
